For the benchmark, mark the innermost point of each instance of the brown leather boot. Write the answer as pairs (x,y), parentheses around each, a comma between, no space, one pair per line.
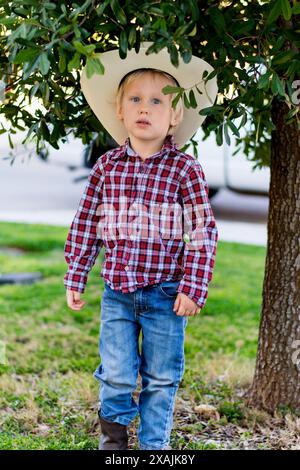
(113,435)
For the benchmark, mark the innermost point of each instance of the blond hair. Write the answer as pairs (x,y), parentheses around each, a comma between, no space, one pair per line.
(131,76)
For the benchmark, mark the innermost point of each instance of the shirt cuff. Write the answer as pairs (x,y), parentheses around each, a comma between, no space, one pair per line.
(196,292)
(75,281)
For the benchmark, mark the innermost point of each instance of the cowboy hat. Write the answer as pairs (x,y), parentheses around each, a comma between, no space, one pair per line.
(100,90)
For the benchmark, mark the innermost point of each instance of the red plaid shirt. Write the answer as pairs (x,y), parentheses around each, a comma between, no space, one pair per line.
(146,214)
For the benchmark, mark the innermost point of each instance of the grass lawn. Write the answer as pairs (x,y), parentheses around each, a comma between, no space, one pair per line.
(48,396)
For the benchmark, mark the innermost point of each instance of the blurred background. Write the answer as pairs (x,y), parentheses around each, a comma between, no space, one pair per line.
(47,189)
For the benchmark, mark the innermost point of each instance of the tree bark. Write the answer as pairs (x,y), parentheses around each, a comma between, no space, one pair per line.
(276,381)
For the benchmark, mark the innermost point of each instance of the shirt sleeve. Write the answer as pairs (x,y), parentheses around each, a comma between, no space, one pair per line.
(83,244)
(200,236)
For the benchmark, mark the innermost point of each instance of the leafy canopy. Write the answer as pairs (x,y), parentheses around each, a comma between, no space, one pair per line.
(252,45)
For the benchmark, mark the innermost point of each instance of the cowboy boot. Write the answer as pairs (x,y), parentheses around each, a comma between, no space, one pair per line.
(113,435)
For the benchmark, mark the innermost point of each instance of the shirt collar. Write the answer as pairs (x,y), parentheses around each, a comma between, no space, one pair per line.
(126,148)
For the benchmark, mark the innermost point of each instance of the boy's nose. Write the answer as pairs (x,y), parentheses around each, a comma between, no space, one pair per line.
(143,107)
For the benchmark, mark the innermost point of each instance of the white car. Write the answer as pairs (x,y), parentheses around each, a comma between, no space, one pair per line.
(223,170)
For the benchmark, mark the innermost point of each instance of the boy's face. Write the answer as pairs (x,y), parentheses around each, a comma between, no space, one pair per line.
(145,111)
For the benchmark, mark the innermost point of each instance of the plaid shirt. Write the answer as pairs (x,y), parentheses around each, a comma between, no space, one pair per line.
(154,219)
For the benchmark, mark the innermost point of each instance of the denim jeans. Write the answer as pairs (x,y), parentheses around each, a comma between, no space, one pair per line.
(159,360)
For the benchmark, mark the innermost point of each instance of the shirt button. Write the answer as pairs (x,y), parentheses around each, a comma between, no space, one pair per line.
(126,268)
(186,238)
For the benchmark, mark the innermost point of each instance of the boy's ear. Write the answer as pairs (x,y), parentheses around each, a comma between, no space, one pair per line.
(174,121)
(174,118)
(119,112)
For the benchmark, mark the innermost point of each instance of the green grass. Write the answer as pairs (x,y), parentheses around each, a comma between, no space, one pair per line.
(48,396)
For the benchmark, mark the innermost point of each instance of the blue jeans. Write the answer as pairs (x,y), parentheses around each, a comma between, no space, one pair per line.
(160,361)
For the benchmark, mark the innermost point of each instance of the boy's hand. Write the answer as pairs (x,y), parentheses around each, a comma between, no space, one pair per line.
(184,306)
(73,300)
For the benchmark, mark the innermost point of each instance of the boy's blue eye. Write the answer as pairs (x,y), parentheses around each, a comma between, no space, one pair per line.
(136,99)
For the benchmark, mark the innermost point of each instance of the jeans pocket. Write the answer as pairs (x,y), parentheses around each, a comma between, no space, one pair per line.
(169,288)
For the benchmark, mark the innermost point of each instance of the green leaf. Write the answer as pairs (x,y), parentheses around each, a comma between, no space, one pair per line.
(53,143)
(259,99)
(74,63)
(264,80)
(277,86)
(100,9)
(44,130)
(194,9)
(274,13)
(194,31)
(44,63)
(211,75)
(62,64)
(58,110)
(118,12)
(123,44)
(186,101)
(33,90)
(211,110)
(22,12)
(217,19)
(174,55)
(171,89)
(192,99)
(283,57)
(227,138)
(286,9)
(296,9)
(84,49)
(219,136)
(293,68)
(186,55)
(93,65)
(9,22)
(45,90)
(233,128)
(131,36)
(30,67)
(79,47)
(175,100)
(243,120)
(26,55)
(138,41)
(10,141)
(65,29)
(292,112)
(255,59)
(49,6)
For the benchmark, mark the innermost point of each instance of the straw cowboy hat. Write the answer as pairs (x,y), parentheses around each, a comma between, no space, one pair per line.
(100,90)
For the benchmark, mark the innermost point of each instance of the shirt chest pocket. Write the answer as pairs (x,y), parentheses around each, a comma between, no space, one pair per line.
(116,252)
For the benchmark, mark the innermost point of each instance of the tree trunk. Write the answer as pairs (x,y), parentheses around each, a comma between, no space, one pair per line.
(276,381)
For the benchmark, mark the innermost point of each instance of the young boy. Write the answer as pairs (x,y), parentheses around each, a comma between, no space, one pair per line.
(147,203)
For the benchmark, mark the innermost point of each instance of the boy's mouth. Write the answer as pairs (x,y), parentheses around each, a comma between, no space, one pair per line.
(143,122)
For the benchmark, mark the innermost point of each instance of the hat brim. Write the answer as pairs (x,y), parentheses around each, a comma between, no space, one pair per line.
(100,90)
